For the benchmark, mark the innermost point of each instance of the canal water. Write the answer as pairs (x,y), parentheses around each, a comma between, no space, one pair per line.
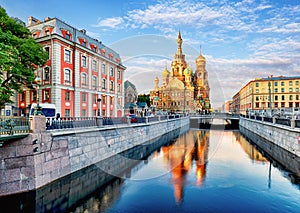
(198,171)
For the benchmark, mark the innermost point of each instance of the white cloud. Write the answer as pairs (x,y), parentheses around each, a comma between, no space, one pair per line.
(110,22)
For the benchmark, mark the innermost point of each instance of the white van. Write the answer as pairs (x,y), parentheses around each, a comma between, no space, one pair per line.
(48,110)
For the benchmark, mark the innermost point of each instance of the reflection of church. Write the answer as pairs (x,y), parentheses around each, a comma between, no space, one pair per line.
(181,89)
(188,154)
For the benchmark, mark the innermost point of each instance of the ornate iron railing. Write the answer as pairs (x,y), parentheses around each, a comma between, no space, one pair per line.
(14,125)
(78,122)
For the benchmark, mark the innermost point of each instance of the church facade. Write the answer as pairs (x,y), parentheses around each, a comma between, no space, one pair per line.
(182,90)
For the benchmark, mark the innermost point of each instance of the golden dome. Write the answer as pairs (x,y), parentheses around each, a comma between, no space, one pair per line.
(165,73)
(200,57)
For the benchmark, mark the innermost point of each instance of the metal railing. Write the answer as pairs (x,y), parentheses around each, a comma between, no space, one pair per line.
(79,122)
(276,120)
(14,125)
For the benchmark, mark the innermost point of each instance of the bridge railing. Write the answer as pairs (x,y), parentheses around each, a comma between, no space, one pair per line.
(14,125)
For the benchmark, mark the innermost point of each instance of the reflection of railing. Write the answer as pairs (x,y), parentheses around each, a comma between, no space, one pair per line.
(13,125)
(79,122)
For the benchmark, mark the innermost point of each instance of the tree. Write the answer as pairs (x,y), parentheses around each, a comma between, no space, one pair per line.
(144,98)
(20,55)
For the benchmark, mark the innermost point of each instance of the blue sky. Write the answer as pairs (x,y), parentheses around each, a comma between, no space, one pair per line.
(241,40)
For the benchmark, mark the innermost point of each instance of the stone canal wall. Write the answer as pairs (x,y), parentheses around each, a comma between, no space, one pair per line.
(283,136)
(45,156)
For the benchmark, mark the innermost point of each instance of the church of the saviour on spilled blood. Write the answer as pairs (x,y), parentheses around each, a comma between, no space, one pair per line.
(182,91)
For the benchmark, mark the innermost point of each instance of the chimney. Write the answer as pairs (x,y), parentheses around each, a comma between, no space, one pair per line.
(31,21)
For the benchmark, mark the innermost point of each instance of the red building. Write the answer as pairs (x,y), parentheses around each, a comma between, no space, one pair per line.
(80,71)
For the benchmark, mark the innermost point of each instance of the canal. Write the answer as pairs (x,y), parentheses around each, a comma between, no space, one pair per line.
(199,171)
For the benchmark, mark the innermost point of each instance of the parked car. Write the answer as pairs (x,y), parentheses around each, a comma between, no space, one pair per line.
(133,118)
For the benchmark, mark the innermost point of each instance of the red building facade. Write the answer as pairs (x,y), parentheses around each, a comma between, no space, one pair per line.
(82,77)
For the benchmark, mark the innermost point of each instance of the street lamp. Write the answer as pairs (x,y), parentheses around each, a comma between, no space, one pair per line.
(36,85)
(99,100)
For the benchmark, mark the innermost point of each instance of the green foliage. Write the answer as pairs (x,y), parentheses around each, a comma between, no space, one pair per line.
(20,55)
(144,98)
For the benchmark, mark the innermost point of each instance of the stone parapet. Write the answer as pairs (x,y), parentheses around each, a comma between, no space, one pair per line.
(46,156)
(285,137)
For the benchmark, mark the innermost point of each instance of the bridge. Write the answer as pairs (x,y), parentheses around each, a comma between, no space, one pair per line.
(207,120)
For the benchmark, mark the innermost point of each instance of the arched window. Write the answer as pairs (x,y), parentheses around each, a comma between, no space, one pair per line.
(84,79)
(67,76)
(46,74)
(103,83)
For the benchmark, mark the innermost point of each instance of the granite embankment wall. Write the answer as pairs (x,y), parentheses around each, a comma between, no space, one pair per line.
(45,156)
(283,136)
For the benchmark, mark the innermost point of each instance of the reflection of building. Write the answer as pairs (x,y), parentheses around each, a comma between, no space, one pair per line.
(80,71)
(181,89)
(131,97)
(253,153)
(266,93)
(188,150)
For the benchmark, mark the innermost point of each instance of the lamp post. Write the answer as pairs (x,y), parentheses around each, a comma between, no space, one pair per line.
(36,85)
(98,100)
(269,86)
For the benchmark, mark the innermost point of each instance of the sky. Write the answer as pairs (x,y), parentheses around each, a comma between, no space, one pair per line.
(240,39)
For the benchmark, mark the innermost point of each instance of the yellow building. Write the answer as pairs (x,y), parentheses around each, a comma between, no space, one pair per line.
(268,93)
(181,89)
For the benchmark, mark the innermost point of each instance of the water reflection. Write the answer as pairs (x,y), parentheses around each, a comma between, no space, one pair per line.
(189,150)
(200,170)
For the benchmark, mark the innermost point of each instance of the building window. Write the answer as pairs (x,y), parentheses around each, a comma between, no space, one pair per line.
(67,113)
(290,83)
(83,43)
(276,98)
(111,71)
(257,91)
(47,32)
(111,86)
(67,76)
(275,83)
(94,65)
(282,104)
(68,36)
(83,61)
(276,90)
(257,84)
(257,98)
(119,74)
(282,89)
(282,83)
(291,97)
(94,82)
(84,113)
(297,89)
(67,56)
(95,49)
(83,79)
(297,97)
(103,69)
(103,83)
(67,96)
(291,89)
(83,97)
(46,74)
(46,95)
(47,50)
(282,97)
(297,83)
